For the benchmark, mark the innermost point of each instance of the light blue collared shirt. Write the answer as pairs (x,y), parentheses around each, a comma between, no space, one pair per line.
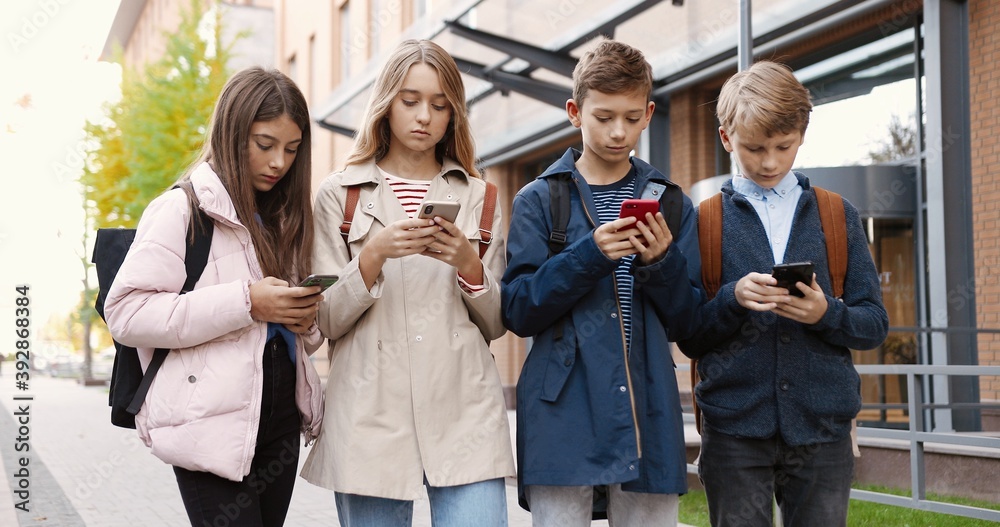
(775,207)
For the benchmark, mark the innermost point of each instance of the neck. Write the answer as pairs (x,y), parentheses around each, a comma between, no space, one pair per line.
(411,164)
(598,172)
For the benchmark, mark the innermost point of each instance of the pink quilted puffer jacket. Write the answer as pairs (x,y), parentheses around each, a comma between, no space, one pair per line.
(203,408)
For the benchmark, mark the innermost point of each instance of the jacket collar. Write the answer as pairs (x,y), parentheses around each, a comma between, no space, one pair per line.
(367,172)
(644,172)
(727,188)
(212,195)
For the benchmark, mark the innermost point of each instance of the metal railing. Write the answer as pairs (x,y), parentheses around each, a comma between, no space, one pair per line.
(916,436)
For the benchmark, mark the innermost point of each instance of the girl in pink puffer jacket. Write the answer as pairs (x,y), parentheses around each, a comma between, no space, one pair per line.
(228,405)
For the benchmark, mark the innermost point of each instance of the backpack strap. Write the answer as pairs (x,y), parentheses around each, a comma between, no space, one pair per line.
(353,196)
(710,243)
(834,222)
(199,243)
(486,220)
(559,208)
(710,247)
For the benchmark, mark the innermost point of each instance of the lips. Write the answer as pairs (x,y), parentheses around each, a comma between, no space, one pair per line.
(271,179)
(421,132)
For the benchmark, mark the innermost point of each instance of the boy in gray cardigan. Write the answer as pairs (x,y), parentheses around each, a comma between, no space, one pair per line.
(779,388)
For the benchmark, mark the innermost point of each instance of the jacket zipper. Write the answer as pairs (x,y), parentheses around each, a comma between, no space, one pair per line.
(255,397)
(628,372)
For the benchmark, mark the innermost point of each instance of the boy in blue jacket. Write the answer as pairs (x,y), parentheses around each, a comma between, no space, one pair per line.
(779,388)
(597,401)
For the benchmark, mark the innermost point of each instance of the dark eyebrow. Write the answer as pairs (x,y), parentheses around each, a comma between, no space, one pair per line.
(265,136)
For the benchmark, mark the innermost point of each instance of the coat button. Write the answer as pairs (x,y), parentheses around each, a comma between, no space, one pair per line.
(622,389)
(371,205)
(568,362)
(419,338)
(614,315)
(192,378)
(784,386)
(786,338)
(378,344)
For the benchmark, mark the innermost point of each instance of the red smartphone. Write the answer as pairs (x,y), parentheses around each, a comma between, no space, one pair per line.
(637,208)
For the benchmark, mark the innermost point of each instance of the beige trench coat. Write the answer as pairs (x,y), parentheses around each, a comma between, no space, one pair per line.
(413,389)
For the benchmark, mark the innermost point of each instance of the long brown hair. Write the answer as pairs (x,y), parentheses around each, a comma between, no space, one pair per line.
(372,140)
(283,237)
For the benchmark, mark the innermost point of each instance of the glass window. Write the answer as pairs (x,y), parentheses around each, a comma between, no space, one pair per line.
(345,42)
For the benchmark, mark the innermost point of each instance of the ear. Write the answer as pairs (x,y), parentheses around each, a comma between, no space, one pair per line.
(650,108)
(573,112)
(726,142)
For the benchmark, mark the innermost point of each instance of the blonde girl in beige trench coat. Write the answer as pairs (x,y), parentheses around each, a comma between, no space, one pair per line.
(413,397)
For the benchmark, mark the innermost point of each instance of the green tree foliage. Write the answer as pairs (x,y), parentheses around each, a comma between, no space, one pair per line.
(158,127)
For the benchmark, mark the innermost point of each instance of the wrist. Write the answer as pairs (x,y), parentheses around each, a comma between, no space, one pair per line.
(473,274)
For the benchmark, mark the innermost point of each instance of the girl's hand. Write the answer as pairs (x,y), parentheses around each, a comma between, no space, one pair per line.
(809,309)
(402,238)
(657,238)
(302,326)
(271,300)
(759,292)
(615,242)
(453,248)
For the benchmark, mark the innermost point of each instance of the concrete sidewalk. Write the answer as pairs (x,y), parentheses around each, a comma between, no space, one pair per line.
(82,471)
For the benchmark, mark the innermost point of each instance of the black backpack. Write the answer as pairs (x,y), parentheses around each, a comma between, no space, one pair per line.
(128,383)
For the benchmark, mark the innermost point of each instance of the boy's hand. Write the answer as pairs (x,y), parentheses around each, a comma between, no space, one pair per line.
(657,239)
(614,239)
(759,292)
(809,309)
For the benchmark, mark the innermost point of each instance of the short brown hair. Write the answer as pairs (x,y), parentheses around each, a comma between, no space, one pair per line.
(767,98)
(612,67)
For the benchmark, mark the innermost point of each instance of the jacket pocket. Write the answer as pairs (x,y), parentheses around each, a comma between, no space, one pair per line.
(560,363)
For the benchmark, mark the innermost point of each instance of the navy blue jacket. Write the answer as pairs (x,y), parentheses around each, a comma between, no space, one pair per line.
(763,374)
(583,409)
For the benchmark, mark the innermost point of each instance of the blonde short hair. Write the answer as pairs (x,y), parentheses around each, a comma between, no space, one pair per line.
(766,98)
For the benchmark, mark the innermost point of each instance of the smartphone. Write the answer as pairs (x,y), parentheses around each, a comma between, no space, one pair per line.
(637,208)
(443,209)
(322,280)
(790,273)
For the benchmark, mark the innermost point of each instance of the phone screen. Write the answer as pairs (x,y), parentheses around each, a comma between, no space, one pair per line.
(788,274)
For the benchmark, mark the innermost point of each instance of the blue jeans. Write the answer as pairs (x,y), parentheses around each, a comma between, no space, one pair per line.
(483,504)
(811,483)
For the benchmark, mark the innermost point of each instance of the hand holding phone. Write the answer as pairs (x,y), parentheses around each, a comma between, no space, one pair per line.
(788,274)
(637,208)
(442,209)
(322,280)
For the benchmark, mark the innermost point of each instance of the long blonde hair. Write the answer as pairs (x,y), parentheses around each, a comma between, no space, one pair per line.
(372,138)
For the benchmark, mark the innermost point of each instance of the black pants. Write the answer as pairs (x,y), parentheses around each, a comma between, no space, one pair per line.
(261,499)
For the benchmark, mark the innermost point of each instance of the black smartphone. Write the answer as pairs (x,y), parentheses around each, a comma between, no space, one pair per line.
(322,280)
(789,273)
